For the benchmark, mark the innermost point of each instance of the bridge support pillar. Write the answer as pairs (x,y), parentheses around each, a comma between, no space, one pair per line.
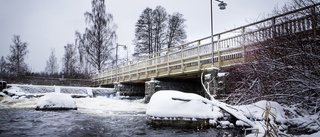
(151,87)
(129,89)
(211,82)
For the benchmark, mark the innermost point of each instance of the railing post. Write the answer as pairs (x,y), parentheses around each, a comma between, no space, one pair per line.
(218,51)
(156,64)
(314,21)
(198,54)
(273,28)
(129,64)
(244,44)
(138,69)
(181,59)
(99,76)
(168,68)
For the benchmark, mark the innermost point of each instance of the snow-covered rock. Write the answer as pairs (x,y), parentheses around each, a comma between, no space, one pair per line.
(2,94)
(14,91)
(56,101)
(170,103)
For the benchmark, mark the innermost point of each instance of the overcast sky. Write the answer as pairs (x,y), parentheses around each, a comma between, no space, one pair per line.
(47,24)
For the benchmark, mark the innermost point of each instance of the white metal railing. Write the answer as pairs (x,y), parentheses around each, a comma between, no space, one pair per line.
(229,46)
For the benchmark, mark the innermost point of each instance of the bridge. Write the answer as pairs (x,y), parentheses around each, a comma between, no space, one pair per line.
(230,48)
(187,61)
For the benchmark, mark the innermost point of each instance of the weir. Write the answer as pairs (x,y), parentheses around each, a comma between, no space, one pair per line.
(37,90)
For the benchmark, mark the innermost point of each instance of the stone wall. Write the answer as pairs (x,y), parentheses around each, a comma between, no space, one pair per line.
(130,89)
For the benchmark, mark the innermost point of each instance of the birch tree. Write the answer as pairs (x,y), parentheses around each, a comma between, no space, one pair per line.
(99,37)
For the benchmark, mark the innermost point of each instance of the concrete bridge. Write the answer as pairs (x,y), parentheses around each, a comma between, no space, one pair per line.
(231,47)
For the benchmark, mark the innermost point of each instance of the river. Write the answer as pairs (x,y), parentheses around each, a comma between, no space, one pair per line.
(99,116)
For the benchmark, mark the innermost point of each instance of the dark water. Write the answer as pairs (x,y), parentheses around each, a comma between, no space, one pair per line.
(28,122)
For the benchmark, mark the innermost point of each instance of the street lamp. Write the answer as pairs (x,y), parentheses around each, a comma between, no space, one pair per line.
(125,47)
(222,6)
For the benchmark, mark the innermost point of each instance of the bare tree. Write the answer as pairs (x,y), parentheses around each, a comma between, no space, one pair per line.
(176,33)
(144,34)
(99,37)
(52,64)
(69,60)
(3,67)
(18,53)
(160,25)
(156,30)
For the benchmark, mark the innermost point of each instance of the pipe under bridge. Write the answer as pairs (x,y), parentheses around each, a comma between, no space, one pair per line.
(230,48)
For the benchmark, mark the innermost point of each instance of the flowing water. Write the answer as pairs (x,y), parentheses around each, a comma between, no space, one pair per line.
(99,116)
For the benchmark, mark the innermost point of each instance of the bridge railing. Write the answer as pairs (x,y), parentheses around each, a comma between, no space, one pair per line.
(230,47)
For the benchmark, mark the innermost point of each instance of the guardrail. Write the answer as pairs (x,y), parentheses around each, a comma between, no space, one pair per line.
(231,47)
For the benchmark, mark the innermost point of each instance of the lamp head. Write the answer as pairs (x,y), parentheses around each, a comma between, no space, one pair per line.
(222,5)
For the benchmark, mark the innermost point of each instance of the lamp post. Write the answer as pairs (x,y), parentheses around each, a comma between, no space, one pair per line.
(125,47)
(222,6)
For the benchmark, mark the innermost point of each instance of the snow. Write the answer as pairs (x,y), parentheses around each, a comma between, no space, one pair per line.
(2,94)
(222,74)
(14,91)
(57,89)
(56,101)
(212,69)
(110,106)
(256,110)
(317,134)
(165,104)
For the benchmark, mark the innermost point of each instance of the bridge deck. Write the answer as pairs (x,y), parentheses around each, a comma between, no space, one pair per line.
(230,48)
